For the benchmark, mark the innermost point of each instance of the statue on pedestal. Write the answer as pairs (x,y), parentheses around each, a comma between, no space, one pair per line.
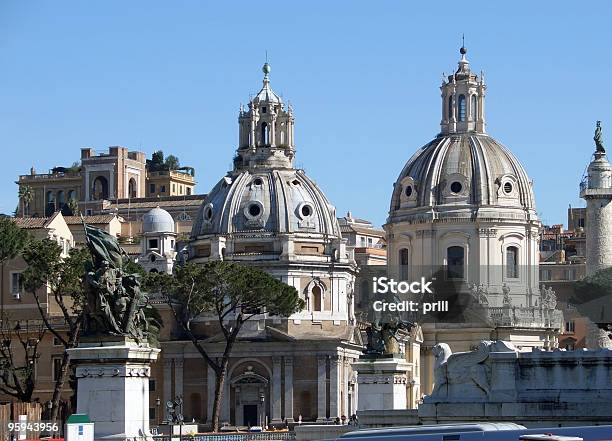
(599,147)
(385,329)
(115,304)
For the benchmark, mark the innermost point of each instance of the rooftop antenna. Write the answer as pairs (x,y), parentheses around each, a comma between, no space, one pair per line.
(266,55)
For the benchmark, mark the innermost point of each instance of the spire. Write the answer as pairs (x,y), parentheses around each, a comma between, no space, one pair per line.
(464,64)
(266,94)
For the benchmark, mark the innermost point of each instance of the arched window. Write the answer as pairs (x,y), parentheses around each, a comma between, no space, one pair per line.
(474,108)
(512,262)
(50,205)
(100,188)
(455,262)
(282,137)
(71,195)
(61,199)
(317,298)
(462,107)
(132,188)
(265,134)
(404,270)
(450,107)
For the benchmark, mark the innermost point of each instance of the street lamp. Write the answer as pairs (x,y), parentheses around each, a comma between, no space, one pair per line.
(157,406)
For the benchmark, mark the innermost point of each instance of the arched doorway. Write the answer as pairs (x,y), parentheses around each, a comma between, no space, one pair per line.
(250,393)
(132,189)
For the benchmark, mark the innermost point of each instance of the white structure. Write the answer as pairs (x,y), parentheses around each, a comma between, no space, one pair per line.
(383,383)
(113,386)
(158,241)
(464,205)
(268,214)
(497,382)
(596,189)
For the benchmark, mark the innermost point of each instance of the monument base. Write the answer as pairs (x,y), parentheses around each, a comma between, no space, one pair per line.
(113,386)
(381,383)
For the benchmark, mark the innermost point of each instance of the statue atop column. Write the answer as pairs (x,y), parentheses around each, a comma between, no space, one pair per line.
(115,304)
(599,147)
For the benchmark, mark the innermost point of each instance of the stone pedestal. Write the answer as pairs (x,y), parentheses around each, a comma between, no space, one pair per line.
(113,386)
(382,383)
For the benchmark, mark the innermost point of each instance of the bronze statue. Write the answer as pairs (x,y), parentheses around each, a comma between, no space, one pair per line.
(115,304)
(599,147)
(385,328)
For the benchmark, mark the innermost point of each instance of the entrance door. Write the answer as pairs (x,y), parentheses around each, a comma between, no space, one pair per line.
(250,414)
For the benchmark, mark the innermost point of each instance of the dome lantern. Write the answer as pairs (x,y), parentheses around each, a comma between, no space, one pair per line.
(463,94)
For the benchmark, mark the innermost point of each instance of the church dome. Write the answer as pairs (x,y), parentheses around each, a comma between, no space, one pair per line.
(157,220)
(463,169)
(264,193)
(463,172)
(266,201)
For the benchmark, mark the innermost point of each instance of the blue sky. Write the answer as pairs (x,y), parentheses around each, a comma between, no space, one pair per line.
(363,78)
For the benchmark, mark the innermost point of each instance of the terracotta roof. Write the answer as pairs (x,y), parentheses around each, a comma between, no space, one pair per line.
(32,223)
(157,203)
(97,219)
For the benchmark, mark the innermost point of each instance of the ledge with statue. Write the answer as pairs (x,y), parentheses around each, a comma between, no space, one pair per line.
(113,358)
(498,382)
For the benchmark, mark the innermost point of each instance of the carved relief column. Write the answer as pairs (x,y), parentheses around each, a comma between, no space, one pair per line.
(288,414)
(167,384)
(275,391)
(321,387)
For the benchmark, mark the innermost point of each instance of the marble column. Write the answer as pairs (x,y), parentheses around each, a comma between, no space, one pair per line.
(345,386)
(321,387)
(178,377)
(210,393)
(167,385)
(275,390)
(288,414)
(335,386)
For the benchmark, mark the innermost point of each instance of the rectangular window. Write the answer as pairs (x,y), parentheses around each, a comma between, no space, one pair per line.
(545,274)
(570,326)
(88,212)
(15,283)
(81,430)
(173,188)
(56,367)
(56,342)
(363,241)
(455,257)
(370,242)
(188,191)
(152,413)
(162,189)
(153,244)
(152,385)
(151,188)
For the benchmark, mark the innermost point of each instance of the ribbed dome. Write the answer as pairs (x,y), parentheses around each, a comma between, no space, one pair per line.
(267,201)
(157,220)
(463,169)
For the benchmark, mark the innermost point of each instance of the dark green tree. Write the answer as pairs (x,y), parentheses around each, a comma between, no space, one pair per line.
(157,159)
(64,278)
(172,162)
(230,292)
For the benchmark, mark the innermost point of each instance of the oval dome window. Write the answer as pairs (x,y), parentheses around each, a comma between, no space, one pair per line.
(508,188)
(254,210)
(408,191)
(306,210)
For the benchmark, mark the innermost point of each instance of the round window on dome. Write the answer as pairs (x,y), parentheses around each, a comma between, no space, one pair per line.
(306,211)
(258,181)
(408,191)
(508,187)
(295,182)
(208,213)
(254,210)
(456,187)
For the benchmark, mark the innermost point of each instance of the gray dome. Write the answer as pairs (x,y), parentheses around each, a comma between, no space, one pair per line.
(266,201)
(463,170)
(157,220)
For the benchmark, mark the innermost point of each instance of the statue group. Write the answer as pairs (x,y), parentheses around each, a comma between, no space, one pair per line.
(115,304)
(385,330)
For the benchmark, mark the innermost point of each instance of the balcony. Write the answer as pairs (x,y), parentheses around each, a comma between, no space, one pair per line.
(524,317)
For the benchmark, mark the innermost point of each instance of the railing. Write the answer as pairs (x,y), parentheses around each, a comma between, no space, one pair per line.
(525,317)
(253,436)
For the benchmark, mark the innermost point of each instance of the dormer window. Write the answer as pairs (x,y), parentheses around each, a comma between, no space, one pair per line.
(153,244)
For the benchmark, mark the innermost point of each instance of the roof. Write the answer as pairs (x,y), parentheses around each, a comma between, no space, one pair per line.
(78,418)
(97,219)
(180,202)
(33,223)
